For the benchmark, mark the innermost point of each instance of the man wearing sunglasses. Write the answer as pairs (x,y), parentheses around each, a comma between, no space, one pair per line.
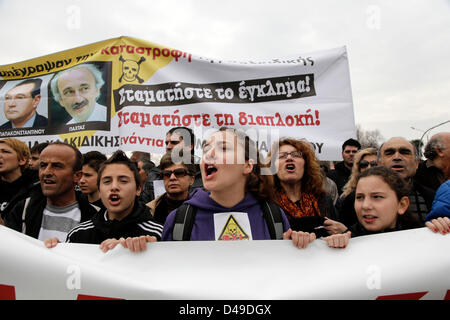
(178,178)
(342,170)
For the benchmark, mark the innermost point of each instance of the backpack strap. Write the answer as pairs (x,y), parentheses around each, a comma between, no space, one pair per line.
(274,219)
(184,222)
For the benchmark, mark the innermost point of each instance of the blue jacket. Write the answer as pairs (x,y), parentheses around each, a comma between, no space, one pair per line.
(441,202)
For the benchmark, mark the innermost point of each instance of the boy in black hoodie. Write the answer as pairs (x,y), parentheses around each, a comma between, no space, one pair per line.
(125,217)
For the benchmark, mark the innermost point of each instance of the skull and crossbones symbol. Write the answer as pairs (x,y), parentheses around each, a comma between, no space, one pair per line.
(130,69)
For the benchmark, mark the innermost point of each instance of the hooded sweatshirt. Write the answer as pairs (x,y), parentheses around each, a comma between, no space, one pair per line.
(138,223)
(204,224)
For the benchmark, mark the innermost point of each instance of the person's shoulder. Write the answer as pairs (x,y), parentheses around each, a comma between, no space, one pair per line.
(425,191)
(445,187)
(87,209)
(145,221)
(6,125)
(441,203)
(79,232)
(151,228)
(155,203)
(101,108)
(99,114)
(337,171)
(31,177)
(40,121)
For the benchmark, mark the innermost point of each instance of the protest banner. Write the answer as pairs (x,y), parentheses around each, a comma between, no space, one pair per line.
(410,264)
(127,93)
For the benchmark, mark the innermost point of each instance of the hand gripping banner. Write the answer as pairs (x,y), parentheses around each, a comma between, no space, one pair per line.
(410,264)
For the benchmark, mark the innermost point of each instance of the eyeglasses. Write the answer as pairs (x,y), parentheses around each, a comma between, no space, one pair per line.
(179,173)
(293,154)
(364,164)
(351,151)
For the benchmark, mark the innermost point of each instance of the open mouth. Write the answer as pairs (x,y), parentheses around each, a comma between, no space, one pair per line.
(290,167)
(47,182)
(114,199)
(397,167)
(210,170)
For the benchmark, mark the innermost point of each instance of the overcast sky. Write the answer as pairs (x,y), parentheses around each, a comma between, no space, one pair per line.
(399,51)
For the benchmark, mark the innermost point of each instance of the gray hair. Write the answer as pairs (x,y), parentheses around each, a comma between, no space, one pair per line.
(434,143)
(99,82)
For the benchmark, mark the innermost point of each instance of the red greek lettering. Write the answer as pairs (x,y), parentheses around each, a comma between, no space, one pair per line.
(242,118)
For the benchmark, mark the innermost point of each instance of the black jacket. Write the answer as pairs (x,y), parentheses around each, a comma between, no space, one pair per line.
(346,209)
(431,177)
(138,223)
(427,194)
(11,193)
(34,212)
(340,175)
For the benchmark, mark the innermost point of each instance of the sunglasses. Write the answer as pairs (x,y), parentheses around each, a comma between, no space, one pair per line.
(364,164)
(293,154)
(179,173)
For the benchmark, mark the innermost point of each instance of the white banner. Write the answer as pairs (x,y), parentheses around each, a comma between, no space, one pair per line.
(411,264)
(307,97)
(143,89)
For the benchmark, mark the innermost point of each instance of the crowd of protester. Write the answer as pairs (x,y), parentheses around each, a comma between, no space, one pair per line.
(56,194)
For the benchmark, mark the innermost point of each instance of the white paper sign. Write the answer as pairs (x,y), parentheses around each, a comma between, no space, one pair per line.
(158,188)
(232,226)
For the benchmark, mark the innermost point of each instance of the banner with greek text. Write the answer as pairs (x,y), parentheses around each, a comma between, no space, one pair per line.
(127,93)
(411,264)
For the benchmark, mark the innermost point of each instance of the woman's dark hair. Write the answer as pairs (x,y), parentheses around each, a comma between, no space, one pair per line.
(119,157)
(390,177)
(37,148)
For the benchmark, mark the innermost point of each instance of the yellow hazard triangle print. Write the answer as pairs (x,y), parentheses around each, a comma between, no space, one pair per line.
(232,231)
